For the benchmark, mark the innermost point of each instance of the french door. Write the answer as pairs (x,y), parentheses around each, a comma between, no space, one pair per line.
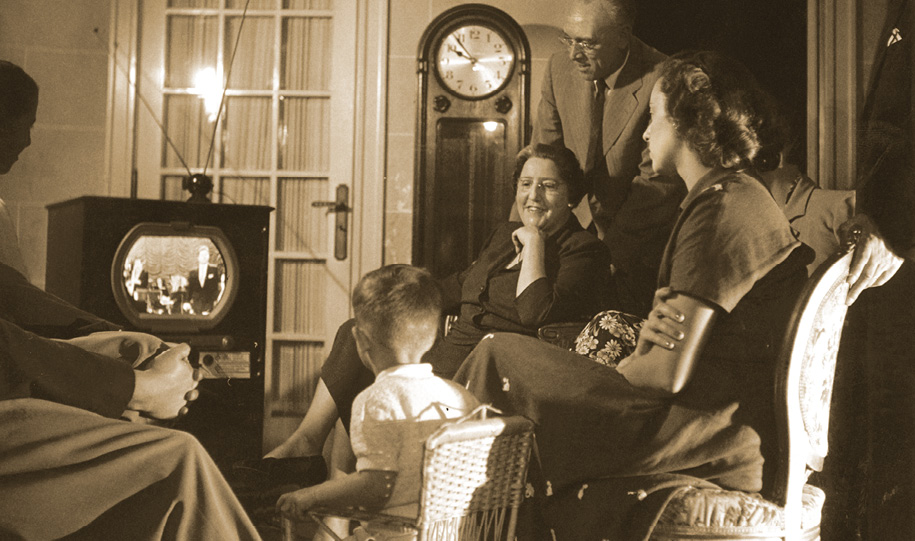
(284,137)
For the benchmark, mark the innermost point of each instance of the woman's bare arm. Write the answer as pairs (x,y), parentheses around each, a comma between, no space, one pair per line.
(311,434)
(669,370)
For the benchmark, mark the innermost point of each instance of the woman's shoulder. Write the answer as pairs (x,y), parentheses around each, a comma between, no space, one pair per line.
(573,235)
(735,214)
(740,198)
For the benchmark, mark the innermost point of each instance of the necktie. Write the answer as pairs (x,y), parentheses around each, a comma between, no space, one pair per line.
(596,145)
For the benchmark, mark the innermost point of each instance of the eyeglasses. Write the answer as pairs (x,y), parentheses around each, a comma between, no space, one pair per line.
(587,46)
(549,186)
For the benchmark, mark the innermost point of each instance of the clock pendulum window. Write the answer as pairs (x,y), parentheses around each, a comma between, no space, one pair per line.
(473,117)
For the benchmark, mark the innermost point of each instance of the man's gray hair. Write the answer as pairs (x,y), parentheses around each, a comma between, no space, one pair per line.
(621,12)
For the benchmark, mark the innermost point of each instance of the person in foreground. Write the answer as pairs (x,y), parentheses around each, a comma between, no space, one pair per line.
(704,409)
(69,466)
(542,270)
(398,313)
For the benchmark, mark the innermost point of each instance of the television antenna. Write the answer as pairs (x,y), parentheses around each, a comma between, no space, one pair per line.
(198,184)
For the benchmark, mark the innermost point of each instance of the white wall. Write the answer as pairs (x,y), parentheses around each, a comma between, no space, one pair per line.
(54,42)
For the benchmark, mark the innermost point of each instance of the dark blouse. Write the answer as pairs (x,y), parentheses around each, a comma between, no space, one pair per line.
(733,248)
(577,267)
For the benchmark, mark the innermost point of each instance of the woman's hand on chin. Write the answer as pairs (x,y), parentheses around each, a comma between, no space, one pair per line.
(526,235)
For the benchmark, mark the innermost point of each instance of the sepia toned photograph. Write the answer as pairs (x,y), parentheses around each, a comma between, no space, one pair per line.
(416,270)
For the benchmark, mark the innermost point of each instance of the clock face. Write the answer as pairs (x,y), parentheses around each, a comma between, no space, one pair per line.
(474,61)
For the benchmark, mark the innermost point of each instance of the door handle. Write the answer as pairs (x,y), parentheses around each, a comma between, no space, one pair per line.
(341,223)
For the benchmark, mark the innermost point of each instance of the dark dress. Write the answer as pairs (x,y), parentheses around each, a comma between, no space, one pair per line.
(731,248)
(484,296)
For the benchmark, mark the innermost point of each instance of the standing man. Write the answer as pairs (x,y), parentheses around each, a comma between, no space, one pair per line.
(205,283)
(594,101)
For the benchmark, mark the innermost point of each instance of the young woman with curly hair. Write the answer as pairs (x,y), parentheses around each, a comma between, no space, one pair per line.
(735,269)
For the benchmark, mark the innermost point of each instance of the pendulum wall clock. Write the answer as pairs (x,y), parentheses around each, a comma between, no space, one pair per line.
(473,113)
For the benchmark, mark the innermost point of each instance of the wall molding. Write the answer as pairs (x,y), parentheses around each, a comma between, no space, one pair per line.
(832,43)
(120,134)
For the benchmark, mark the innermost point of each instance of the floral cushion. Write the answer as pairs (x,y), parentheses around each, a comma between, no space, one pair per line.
(609,337)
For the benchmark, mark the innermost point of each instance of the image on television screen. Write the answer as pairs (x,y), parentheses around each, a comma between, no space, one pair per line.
(174,277)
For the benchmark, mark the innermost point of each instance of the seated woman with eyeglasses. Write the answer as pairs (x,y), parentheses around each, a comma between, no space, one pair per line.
(545,269)
(705,408)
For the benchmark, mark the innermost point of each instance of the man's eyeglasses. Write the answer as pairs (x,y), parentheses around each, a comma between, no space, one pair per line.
(586,45)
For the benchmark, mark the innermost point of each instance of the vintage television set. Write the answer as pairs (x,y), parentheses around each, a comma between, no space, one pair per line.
(186,272)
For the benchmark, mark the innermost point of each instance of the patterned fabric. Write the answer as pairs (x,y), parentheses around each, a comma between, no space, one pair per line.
(610,337)
(819,365)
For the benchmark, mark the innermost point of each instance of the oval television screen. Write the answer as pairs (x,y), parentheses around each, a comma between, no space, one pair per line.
(174,275)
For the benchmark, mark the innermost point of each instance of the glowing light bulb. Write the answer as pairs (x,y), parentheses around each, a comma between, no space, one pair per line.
(208,87)
(490,126)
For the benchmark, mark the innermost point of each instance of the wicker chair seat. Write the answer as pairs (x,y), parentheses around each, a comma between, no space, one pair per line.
(727,514)
(472,482)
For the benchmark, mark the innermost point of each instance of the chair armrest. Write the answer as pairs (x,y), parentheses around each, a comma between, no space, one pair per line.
(561,334)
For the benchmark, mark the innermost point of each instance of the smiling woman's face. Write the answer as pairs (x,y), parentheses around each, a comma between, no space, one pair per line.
(542,196)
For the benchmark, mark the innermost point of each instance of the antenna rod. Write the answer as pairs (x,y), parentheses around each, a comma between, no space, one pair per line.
(225,87)
(143,100)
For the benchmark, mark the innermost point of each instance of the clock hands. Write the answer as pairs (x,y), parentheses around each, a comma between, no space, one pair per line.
(466,54)
(475,73)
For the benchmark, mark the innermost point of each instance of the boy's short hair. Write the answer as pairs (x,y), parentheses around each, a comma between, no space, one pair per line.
(401,304)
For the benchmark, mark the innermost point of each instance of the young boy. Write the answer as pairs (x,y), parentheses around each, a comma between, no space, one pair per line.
(398,313)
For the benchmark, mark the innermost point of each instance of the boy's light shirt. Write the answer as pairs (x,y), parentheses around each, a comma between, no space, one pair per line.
(393,417)
(417,370)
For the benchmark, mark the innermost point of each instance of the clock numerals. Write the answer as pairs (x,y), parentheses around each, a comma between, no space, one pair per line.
(474,61)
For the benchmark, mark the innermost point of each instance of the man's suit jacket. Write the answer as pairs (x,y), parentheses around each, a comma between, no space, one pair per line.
(33,366)
(817,216)
(635,211)
(203,297)
(886,190)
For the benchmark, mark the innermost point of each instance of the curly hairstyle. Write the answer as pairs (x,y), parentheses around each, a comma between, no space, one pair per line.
(719,109)
(18,92)
(566,163)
